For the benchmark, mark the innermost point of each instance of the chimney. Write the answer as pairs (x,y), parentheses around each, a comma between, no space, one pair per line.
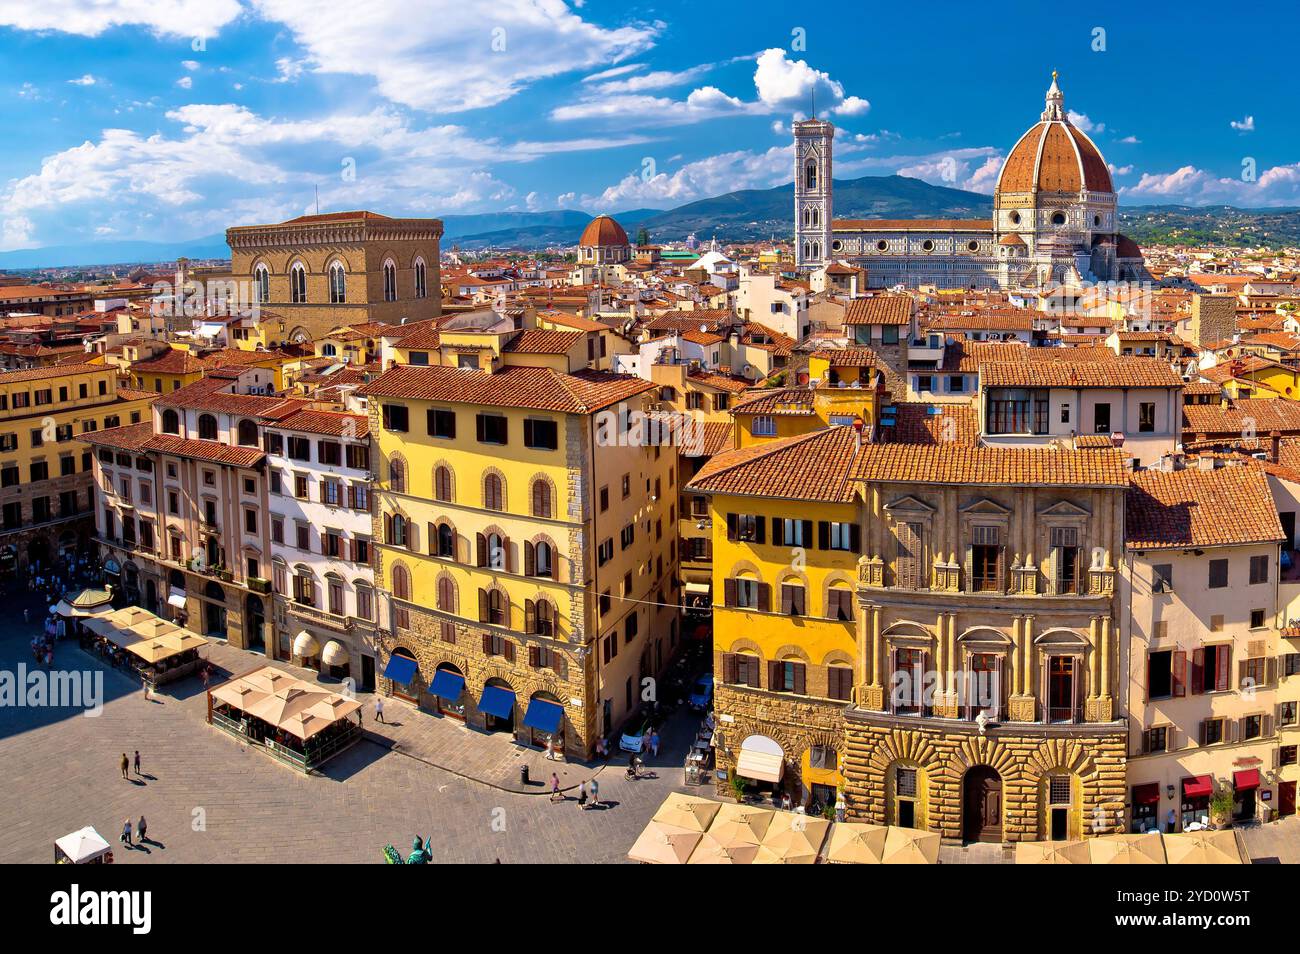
(1274,446)
(1206,462)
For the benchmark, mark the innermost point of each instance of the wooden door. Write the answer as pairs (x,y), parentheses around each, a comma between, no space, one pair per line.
(982,805)
(1286,798)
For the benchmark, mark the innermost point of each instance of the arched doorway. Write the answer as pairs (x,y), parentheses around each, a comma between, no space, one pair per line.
(403,690)
(38,553)
(982,805)
(150,595)
(761,762)
(214,609)
(255,623)
(448,690)
(544,720)
(498,706)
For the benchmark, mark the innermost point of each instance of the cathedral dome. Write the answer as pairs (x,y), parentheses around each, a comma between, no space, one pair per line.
(1054,155)
(602,231)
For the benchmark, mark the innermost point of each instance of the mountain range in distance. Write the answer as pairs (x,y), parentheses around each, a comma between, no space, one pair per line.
(744,216)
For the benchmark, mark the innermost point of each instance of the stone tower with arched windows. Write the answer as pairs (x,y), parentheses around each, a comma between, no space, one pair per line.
(812,192)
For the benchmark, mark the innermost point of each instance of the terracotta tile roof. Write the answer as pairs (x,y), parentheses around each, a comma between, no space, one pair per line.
(134,394)
(777,401)
(49,372)
(542,341)
(718,437)
(713,319)
(934,424)
(1116,373)
(573,321)
(1226,506)
(131,437)
(964,355)
(848,357)
(812,466)
(175,361)
(879,310)
(701,337)
(1018,319)
(423,334)
(331,423)
(212,451)
(1249,416)
(209,394)
(540,388)
(776,342)
(716,379)
(946,464)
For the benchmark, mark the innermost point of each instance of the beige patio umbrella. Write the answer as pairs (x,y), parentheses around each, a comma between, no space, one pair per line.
(334,708)
(129,616)
(1203,848)
(304,725)
(852,843)
(153,628)
(740,824)
(661,844)
(687,811)
(282,703)
(907,846)
(792,839)
(268,680)
(711,851)
(1127,850)
(238,694)
(1052,853)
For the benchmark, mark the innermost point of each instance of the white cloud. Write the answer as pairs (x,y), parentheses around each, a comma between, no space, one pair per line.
(707,102)
(565,198)
(659,79)
(1245,125)
(783,83)
(452,56)
(1275,186)
(185,82)
(613,71)
(1130,140)
(190,65)
(714,175)
(1083,122)
(974,169)
(86,80)
(852,106)
(176,18)
(289,69)
(780,128)
(1119,170)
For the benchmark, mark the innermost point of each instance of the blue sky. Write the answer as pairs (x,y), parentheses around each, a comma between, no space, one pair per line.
(172,119)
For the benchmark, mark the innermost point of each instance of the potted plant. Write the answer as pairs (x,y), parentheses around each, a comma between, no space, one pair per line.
(738,786)
(1221,807)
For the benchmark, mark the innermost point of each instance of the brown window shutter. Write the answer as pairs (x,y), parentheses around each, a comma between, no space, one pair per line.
(1198,671)
(483,611)
(729,592)
(764,597)
(506,559)
(482,549)
(505,614)
(752,672)
(509,647)
(1270,671)
(1179,667)
(530,617)
(530,559)
(535,657)
(729,668)
(1241,674)
(800,679)
(787,598)
(433,537)
(487,640)
(774,675)
(731,526)
(1266,725)
(1202,736)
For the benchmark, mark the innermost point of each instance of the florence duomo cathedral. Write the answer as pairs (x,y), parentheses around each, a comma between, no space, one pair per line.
(1054,219)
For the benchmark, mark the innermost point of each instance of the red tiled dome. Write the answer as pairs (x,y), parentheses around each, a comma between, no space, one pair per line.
(603,231)
(1054,156)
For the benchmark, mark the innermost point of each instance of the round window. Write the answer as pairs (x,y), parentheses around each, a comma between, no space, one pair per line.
(836,245)
(973,246)
(882,245)
(1015,218)
(1058,218)
(927,246)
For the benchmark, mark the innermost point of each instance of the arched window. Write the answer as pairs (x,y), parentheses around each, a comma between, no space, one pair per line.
(446,541)
(328,350)
(262,281)
(297,283)
(544,618)
(496,607)
(247,433)
(338,285)
(810,174)
(496,551)
(543,560)
(207,427)
(541,498)
(396,475)
(442,483)
(397,530)
(401,591)
(171,422)
(390,281)
(493,492)
(447,594)
(421,280)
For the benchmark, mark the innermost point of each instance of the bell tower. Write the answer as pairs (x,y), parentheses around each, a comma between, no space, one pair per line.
(812,192)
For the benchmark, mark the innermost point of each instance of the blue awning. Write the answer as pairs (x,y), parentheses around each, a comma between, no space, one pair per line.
(447,685)
(544,715)
(497,702)
(401,669)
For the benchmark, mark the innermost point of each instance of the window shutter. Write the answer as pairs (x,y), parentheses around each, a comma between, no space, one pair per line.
(1146,689)
(729,668)
(760,530)
(764,597)
(530,617)
(855,538)
(968,571)
(1179,674)
(751,672)
(1266,725)
(1224,669)
(823,535)
(800,679)
(787,598)
(807,535)
(481,540)
(729,592)
(508,647)
(483,616)
(530,559)
(507,559)
(1202,731)
(487,637)
(774,675)
(778,531)
(535,657)
(1241,674)
(731,526)
(1144,744)
(1270,671)
(1198,671)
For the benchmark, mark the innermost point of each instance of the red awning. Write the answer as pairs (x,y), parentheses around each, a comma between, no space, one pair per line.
(1199,786)
(1245,780)
(1148,794)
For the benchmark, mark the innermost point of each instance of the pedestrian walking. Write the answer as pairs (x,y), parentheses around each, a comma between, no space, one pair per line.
(582,796)
(379,710)
(555,788)
(595,793)
(654,743)
(126,764)
(141,830)
(126,833)
(137,761)
(27,615)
